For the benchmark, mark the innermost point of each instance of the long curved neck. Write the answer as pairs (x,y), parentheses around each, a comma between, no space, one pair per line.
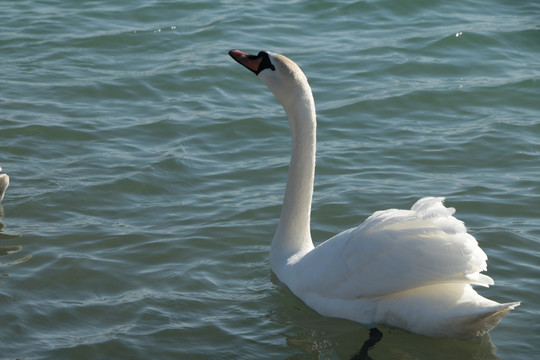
(293,235)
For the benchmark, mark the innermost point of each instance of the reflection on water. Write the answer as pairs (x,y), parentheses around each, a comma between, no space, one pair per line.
(7,248)
(390,343)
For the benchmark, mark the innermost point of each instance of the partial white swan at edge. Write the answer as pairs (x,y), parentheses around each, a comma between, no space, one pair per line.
(4,183)
(412,269)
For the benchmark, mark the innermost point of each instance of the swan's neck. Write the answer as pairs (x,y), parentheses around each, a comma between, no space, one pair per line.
(293,236)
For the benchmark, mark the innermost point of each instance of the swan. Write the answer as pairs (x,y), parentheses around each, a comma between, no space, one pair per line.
(4,183)
(413,269)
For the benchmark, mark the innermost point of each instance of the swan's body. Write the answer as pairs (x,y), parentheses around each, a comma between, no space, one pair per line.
(413,269)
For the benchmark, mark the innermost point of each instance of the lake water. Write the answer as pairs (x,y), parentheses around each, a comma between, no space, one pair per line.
(148,168)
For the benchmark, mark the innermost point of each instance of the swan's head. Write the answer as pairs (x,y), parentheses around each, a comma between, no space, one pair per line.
(282,76)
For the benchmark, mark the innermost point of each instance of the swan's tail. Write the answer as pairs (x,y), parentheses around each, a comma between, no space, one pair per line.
(479,324)
(443,310)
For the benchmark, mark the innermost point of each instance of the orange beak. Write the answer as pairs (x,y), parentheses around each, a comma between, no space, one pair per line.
(252,62)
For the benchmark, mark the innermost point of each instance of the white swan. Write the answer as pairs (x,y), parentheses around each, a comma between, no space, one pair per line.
(411,269)
(4,183)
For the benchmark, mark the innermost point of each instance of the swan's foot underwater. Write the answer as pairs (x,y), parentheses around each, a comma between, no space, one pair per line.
(375,335)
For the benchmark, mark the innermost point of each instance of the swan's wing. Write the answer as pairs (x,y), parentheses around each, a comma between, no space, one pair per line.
(396,250)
